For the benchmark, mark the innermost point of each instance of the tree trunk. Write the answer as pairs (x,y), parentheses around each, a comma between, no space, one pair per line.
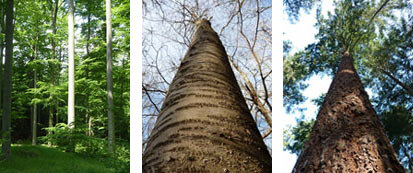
(71,48)
(204,124)
(88,118)
(347,135)
(6,123)
(34,125)
(1,50)
(52,71)
(111,123)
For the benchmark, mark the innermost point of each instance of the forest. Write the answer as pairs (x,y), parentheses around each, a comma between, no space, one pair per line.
(64,76)
(377,35)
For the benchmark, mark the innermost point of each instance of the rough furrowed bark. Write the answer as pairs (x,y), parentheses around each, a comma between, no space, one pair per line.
(204,124)
(347,135)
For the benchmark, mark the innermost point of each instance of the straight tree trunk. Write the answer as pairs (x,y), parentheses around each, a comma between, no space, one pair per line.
(204,124)
(111,123)
(34,125)
(71,48)
(52,70)
(6,123)
(34,135)
(2,13)
(347,135)
(88,118)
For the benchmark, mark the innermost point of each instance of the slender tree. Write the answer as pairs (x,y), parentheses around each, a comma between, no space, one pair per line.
(88,117)
(111,123)
(71,48)
(2,22)
(347,135)
(205,124)
(6,123)
(34,118)
(54,7)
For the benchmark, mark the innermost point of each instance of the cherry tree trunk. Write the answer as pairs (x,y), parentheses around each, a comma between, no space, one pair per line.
(204,124)
(347,135)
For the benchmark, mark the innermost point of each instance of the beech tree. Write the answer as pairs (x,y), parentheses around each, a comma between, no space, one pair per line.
(111,124)
(204,123)
(71,53)
(41,56)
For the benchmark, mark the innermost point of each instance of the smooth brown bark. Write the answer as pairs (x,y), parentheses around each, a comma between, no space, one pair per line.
(347,135)
(204,124)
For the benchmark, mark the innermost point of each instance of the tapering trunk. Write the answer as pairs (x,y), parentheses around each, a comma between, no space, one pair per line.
(347,135)
(204,124)
(6,123)
(71,49)
(111,123)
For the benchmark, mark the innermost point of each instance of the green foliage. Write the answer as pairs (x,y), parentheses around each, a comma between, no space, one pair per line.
(319,100)
(294,74)
(76,141)
(398,123)
(38,159)
(42,54)
(295,137)
(293,7)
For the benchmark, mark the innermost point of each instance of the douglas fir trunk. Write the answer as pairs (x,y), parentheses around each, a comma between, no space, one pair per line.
(347,135)
(205,124)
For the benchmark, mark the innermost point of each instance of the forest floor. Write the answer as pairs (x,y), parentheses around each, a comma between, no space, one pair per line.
(33,159)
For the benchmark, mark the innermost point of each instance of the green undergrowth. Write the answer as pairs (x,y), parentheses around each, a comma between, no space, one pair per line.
(33,159)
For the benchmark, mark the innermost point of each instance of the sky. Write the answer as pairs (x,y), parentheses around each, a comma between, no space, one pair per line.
(301,34)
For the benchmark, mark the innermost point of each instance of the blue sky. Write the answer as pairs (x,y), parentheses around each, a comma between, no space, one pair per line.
(301,34)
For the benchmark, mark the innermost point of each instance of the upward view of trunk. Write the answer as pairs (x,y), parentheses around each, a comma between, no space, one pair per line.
(6,123)
(205,124)
(111,123)
(347,135)
(71,49)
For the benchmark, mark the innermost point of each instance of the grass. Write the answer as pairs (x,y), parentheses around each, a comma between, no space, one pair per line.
(33,159)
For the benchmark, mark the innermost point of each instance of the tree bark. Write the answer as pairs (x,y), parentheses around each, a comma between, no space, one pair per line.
(88,118)
(52,69)
(1,50)
(347,135)
(204,124)
(71,48)
(111,123)
(6,123)
(34,126)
